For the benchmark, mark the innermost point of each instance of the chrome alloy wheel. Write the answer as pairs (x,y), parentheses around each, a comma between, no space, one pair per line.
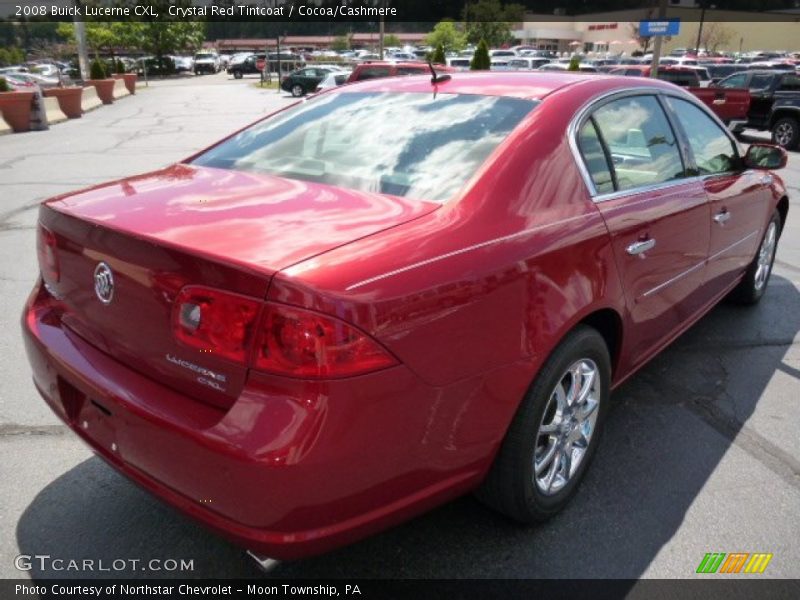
(567,426)
(765,256)
(783,134)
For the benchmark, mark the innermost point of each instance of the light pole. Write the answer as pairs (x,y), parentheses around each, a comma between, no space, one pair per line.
(700,28)
(80,38)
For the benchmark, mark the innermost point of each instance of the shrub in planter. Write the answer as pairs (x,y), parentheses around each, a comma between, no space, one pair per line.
(4,87)
(574,63)
(103,85)
(480,60)
(97,70)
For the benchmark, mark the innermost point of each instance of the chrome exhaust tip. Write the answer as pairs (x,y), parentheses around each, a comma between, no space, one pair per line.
(264,563)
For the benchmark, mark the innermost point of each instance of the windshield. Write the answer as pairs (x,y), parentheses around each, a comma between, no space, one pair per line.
(203,56)
(411,144)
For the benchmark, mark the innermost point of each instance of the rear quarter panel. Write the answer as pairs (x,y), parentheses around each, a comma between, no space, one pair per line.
(482,290)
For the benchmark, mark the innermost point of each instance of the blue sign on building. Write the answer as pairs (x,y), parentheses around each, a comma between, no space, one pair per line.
(665,27)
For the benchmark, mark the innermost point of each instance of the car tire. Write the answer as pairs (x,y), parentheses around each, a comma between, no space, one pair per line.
(786,133)
(238,74)
(755,280)
(298,90)
(512,486)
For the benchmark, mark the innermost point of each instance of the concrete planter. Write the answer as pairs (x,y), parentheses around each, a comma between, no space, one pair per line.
(16,109)
(69,100)
(130,80)
(105,89)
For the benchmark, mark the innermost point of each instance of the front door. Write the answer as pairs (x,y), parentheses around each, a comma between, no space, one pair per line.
(658,218)
(740,199)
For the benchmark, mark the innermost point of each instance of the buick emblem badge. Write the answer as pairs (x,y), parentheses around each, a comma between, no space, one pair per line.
(104,283)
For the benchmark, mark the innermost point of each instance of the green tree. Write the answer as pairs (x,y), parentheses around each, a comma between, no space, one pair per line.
(491,21)
(574,63)
(391,41)
(480,60)
(340,43)
(438,56)
(447,35)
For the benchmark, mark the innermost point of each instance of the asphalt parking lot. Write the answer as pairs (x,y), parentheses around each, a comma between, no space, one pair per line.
(701,451)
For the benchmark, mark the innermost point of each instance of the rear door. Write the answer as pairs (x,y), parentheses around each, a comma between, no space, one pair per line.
(658,218)
(740,200)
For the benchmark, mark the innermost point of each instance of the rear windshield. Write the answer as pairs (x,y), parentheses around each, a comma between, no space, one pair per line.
(411,144)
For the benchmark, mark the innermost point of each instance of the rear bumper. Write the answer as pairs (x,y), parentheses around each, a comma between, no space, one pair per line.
(293,468)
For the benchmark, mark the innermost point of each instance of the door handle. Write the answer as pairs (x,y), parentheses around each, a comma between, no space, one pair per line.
(722,217)
(640,247)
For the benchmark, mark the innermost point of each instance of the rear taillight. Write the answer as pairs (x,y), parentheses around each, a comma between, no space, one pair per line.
(216,322)
(48,259)
(285,341)
(302,343)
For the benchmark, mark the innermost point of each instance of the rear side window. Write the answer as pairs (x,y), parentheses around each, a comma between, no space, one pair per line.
(713,150)
(760,82)
(373,73)
(681,78)
(640,141)
(594,158)
(790,83)
(411,70)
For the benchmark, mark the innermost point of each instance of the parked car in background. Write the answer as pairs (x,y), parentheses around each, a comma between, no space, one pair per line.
(35,79)
(684,76)
(155,66)
(244,65)
(334,79)
(774,103)
(721,71)
(703,74)
(376,70)
(373,302)
(564,66)
(499,63)
(18,81)
(183,64)
(527,63)
(460,63)
(305,80)
(206,62)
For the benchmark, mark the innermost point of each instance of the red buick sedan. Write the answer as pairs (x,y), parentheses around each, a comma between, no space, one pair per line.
(398,292)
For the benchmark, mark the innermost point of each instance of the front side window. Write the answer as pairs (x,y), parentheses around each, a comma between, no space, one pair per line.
(734,81)
(640,141)
(713,150)
(411,144)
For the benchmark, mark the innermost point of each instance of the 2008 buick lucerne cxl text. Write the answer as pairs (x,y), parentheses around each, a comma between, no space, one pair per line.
(395,293)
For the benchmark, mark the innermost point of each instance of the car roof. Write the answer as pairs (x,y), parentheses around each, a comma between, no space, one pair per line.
(533,85)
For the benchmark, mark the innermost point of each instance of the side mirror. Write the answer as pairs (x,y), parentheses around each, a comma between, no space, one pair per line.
(765,156)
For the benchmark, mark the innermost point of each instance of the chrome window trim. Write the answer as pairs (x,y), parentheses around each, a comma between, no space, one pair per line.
(599,100)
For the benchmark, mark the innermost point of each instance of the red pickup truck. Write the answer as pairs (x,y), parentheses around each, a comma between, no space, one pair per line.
(731,105)
(763,99)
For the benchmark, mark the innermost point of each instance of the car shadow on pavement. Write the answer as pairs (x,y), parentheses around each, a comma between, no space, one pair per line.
(666,434)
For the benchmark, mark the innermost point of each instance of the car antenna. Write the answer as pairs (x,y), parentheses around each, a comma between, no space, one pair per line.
(435,78)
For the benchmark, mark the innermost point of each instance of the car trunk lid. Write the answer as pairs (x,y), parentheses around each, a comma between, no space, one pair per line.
(193,226)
